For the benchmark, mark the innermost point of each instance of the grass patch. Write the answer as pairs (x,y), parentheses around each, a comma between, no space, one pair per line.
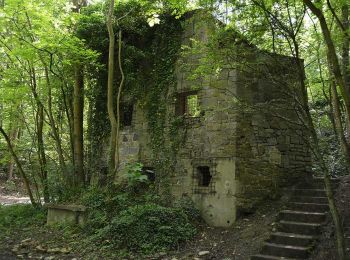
(20,215)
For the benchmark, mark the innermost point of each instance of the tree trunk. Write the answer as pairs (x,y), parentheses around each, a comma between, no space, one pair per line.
(54,128)
(13,137)
(119,98)
(110,105)
(39,121)
(41,152)
(316,149)
(339,125)
(78,108)
(78,114)
(19,166)
(346,46)
(332,58)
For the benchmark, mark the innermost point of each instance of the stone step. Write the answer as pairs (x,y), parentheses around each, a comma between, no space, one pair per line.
(291,239)
(299,228)
(321,180)
(316,183)
(268,257)
(310,192)
(308,207)
(301,216)
(308,199)
(285,250)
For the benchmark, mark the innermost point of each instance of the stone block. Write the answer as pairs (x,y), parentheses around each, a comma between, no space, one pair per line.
(66,214)
(272,141)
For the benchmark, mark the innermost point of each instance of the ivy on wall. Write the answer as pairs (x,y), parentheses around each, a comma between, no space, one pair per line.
(149,60)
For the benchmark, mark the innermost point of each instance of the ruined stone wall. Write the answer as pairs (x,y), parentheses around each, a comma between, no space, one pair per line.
(272,143)
(249,150)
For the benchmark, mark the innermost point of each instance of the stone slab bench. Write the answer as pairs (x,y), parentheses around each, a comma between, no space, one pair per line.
(66,214)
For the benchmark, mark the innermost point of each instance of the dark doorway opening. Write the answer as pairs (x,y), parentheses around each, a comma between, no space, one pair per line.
(126,111)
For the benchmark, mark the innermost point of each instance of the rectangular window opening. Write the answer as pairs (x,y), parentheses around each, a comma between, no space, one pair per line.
(188,104)
(204,176)
(126,111)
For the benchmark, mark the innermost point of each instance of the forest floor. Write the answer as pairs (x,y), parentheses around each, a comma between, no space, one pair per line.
(12,193)
(239,242)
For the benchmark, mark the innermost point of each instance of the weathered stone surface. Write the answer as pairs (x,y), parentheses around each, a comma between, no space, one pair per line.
(69,214)
(249,149)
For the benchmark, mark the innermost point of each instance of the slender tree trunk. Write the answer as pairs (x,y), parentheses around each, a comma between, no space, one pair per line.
(339,232)
(39,121)
(78,114)
(19,166)
(119,97)
(54,129)
(78,108)
(41,152)
(346,46)
(69,115)
(13,137)
(339,130)
(332,58)
(110,105)
(317,151)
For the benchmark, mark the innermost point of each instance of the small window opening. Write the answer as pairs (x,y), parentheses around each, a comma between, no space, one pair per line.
(192,107)
(126,111)
(149,171)
(204,176)
(188,104)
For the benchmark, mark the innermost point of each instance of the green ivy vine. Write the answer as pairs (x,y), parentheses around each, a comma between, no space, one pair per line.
(149,60)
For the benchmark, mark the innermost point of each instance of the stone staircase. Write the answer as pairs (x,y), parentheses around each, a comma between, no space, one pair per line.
(299,225)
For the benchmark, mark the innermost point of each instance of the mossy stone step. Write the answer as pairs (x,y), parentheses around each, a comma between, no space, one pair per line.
(269,257)
(308,207)
(302,216)
(308,199)
(310,192)
(291,239)
(286,250)
(300,228)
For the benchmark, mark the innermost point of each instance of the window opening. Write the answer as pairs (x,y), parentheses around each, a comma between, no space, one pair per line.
(204,176)
(192,107)
(149,171)
(188,104)
(126,111)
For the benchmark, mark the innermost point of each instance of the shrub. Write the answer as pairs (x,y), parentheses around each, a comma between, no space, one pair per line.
(187,206)
(149,227)
(19,216)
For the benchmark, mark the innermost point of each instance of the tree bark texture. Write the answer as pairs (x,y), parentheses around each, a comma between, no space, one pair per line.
(339,125)
(78,108)
(110,90)
(332,58)
(11,164)
(19,166)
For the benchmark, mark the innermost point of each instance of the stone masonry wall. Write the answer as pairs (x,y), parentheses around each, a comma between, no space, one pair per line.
(250,152)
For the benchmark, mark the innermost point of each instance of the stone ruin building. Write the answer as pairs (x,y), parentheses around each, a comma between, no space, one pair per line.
(243,136)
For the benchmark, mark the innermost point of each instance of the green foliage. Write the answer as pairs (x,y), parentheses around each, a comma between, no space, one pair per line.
(149,56)
(134,173)
(134,219)
(149,228)
(187,206)
(20,216)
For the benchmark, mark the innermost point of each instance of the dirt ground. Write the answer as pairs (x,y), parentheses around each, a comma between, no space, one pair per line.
(236,243)
(12,193)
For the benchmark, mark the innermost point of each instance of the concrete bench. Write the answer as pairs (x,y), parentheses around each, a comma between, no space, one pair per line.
(66,214)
